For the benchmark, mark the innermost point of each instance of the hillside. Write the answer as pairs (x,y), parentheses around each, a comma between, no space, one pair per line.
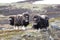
(18,8)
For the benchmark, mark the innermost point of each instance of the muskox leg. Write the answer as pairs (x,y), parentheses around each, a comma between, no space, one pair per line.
(23,28)
(39,30)
(18,27)
(14,27)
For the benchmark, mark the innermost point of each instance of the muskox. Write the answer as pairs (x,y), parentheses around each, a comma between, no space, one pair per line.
(36,20)
(26,19)
(20,20)
(40,22)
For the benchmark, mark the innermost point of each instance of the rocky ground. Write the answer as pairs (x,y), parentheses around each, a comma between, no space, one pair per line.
(50,34)
(28,35)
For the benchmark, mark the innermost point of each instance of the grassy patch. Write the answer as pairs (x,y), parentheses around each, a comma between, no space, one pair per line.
(8,33)
(53,19)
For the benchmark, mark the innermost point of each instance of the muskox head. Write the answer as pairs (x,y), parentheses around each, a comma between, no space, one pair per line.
(26,17)
(36,18)
(11,19)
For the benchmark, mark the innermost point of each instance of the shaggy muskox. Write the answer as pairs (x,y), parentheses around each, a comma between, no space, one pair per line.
(40,22)
(25,19)
(36,20)
(44,21)
(20,20)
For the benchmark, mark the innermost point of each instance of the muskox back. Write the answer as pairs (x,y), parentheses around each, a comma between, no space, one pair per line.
(18,20)
(44,21)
